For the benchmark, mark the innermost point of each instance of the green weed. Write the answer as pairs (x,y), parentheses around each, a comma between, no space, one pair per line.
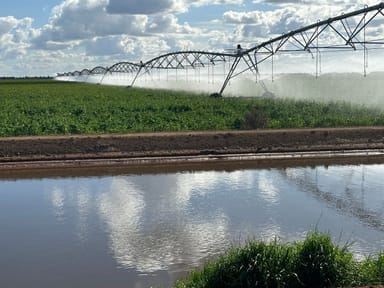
(315,262)
(371,271)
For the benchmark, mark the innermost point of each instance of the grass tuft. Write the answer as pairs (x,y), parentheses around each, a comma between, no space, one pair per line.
(315,262)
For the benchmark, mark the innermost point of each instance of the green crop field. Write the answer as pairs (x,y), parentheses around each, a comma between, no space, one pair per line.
(48,107)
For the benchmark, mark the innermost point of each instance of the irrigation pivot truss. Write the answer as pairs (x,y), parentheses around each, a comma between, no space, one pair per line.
(350,31)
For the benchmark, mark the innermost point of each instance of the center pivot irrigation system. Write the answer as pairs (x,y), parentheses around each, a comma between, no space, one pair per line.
(353,31)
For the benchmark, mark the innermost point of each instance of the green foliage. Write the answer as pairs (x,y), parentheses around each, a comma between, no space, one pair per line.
(72,108)
(254,119)
(47,107)
(256,265)
(315,262)
(322,264)
(371,271)
(308,114)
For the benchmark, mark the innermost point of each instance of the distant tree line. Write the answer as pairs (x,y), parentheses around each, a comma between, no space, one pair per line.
(25,77)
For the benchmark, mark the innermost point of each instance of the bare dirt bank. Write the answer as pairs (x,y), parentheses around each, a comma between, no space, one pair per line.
(94,150)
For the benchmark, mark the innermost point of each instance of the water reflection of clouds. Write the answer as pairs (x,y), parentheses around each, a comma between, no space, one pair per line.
(269,192)
(57,200)
(152,223)
(199,183)
(164,222)
(65,197)
(121,207)
(84,207)
(172,238)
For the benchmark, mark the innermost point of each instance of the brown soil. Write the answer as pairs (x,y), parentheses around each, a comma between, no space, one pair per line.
(53,150)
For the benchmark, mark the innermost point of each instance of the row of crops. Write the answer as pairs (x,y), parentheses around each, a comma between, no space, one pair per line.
(48,107)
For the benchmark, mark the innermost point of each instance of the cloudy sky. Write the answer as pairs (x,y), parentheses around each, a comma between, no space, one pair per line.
(43,37)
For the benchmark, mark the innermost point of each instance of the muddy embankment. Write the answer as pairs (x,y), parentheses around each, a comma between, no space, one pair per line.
(100,150)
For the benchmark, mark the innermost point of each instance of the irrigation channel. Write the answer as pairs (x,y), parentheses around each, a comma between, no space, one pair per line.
(137,228)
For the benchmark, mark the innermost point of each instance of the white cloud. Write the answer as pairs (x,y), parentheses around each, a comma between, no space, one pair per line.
(198,3)
(105,46)
(80,20)
(288,16)
(105,28)
(137,7)
(99,31)
(339,3)
(7,24)
(76,20)
(161,6)
(17,30)
(125,46)
(14,37)
(255,26)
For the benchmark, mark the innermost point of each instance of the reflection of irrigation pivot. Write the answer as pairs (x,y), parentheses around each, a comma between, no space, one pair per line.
(349,205)
(344,32)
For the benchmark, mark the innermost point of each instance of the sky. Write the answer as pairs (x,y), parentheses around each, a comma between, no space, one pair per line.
(45,37)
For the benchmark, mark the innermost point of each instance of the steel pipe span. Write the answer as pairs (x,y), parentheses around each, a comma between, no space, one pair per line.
(344,32)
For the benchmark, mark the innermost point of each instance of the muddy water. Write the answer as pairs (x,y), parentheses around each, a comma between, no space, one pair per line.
(126,229)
